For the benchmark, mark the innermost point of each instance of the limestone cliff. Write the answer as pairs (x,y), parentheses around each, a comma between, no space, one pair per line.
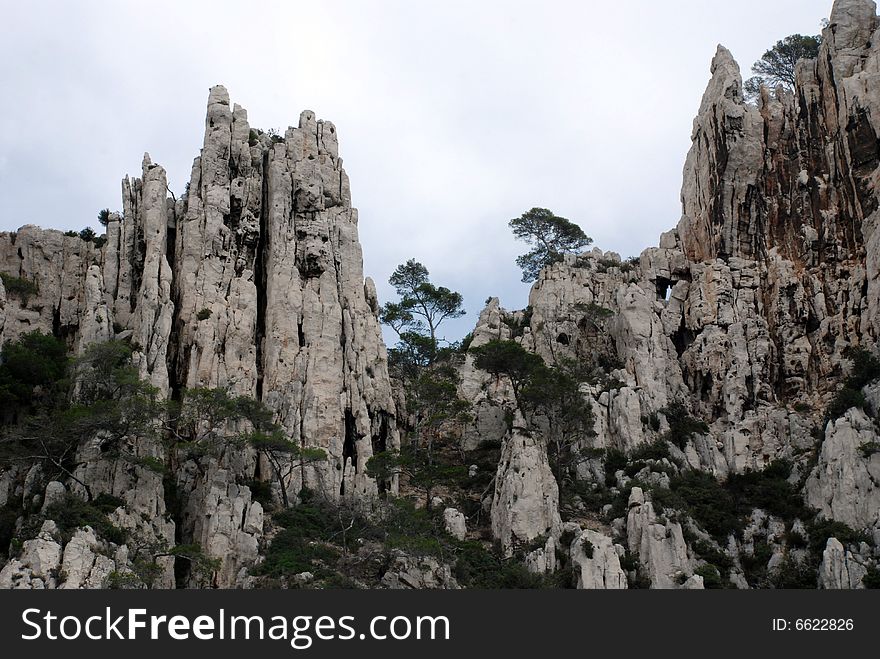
(251,280)
(743,313)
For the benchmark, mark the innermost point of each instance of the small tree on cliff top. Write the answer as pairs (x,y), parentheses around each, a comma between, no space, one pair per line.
(422,308)
(549,236)
(777,65)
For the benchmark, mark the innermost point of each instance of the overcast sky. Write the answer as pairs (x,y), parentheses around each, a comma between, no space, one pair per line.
(454,116)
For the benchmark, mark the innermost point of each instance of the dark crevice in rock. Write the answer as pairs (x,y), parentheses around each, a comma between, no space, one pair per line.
(260,275)
(173,362)
(137,260)
(379,443)
(349,447)
(683,338)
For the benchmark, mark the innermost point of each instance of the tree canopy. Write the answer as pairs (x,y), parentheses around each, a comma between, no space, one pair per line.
(777,65)
(422,308)
(549,397)
(549,236)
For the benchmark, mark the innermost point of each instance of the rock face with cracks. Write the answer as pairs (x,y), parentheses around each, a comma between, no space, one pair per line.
(743,313)
(251,280)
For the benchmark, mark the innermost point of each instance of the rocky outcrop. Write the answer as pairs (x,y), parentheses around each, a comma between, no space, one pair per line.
(839,568)
(426,572)
(224,521)
(596,562)
(845,484)
(67,286)
(252,281)
(525,505)
(743,312)
(455,524)
(659,544)
(85,561)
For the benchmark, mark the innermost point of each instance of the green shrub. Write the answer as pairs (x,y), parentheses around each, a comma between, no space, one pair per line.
(107,503)
(33,360)
(722,509)
(682,426)
(711,576)
(796,540)
(153,464)
(8,517)
(610,383)
(755,565)
(793,574)
(19,287)
(603,265)
(203,314)
(587,548)
(845,399)
(720,560)
(73,513)
(871,579)
(104,217)
(768,490)
(477,567)
(636,577)
(338,581)
(615,461)
(122,581)
(820,530)
(654,451)
(710,504)
(290,553)
(415,530)
(865,369)
(652,420)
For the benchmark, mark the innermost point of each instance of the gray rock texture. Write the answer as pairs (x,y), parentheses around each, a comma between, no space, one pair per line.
(251,280)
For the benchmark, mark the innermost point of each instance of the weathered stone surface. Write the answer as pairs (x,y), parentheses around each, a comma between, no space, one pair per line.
(253,281)
(839,569)
(223,519)
(744,311)
(844,484)
(659,544)
(525,505)
(55,493)
(596,562)
(455,524)
(83,565)
(407,572)
(38,565)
